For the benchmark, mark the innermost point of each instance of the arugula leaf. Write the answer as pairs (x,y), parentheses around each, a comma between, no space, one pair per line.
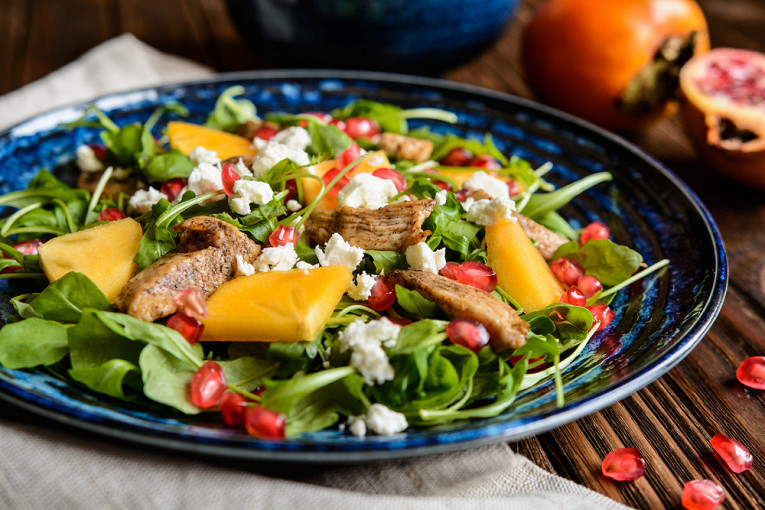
(327,140)
(539,204)
(611,263)
(32,342)
(230,113)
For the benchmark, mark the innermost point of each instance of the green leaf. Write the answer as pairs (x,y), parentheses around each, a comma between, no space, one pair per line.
(166,379)
(230,113)
(327,140)
(32,342)
(169,165)
(64,299)
(387,260)
(540,204)
(248,372)
(423,333)
(322,408)
(109,378)
(611,263)
(413,303)
(282,396)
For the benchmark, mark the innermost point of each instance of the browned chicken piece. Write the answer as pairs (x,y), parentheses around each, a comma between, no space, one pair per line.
(393,227)
(406,147)
(547,240)
(506,329)
(204,258)
(249,128)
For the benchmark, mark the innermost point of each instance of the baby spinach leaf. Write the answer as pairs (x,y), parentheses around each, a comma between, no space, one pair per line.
(327,140)
(387,260)
(539,204)
(169,165)
(321,408)
(579,316)
(248,372)
(166,379)
(32,342)
(64,299)
(418,334)
(110,378)
(413,303)
(92,343)
(611,263)
(282,395)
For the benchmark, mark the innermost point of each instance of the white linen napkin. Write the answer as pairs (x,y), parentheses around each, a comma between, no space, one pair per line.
(45,465)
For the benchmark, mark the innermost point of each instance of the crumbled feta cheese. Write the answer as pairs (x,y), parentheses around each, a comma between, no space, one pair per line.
(143,199)
(367,191)
(365,340)
(204,178)
(357,426)
(384,421)
(271,152)
(200,155)
(294,137)
(490,185)
(294,205)
(246,192)
(361,290)
(467,203)
(241,169)
(489,212)
(337,252)
(305,266)
(276,258)
(243,268)
(87,160)
(420,256)
(441,197)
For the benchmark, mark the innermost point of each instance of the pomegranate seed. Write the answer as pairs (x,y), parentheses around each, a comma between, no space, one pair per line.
(568,271)
(192,302)
(172,187)
(233,407)
(229,176)
(735,455)
(28,247)
(322,116)
(477,275)
(189,327)
(751,372)
(291,187)
(265,133)
(513,188)
(111,214)
(383,294)
(702,495)
(467,333)
(401,321)
(589,285)
(348,155)
(361,127)
(260,390)
(208,385)
(338,123)
(283,235)
(601,313)
(264,423)
(487,162)
(99,151)
(457,157)
(449,270)
(462,194)
(595,230)
(329,175)
(624,465)
(443,185)
(394,175)
(574,296)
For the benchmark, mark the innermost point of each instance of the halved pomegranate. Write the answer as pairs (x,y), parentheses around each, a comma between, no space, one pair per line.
(724,111)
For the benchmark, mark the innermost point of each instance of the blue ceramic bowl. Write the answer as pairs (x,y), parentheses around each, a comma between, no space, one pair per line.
(420,36)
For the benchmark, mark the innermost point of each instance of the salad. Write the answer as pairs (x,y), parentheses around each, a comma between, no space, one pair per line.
(296,272)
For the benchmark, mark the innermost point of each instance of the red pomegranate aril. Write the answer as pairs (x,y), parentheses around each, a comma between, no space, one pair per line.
(467,333)
(443,185)
(589,285)
(486,162)
(259,391)
(624,465)
(264,423)
(192,302)
(338,123)
(735,455)
(291,187)
(574,296)
(361,127)
(393,175)
(190,328)
(229,176)
(513,188)
(233,407)
(283,235)
(568,271)
(401,321)
(450,270)
(340,184)
(477,275)
(99,151)
(595,230)
(383,294)
(28,247)
(111,214)
(457,157)
(349,155)
(601,313)
(702,495)
(172,187)
(208,385)
(751,372)
(265,132)
(462,194)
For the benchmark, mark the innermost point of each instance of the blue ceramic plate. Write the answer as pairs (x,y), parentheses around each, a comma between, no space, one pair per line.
(658,321)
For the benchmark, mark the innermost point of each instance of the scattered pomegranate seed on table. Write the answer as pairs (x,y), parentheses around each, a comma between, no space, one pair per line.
(229,176)
(264,423)
(735,455)
(624,465)
(751,372)
(467,333)
(192,302)
(595,230)
(233,408)
(702,495)
(568,271)
(208,385)
(283,235)
(172,187)
(382,295)
(189,327)
(111,214)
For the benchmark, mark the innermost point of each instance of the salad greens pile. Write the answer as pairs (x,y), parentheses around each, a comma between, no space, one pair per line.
(70,329)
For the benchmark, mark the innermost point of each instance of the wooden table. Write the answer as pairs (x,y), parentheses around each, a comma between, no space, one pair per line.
(670,421)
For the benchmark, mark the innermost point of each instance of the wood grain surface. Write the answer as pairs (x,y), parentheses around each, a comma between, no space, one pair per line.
(671,420)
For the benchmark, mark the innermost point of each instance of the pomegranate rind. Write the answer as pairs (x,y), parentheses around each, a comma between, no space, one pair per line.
(741,160)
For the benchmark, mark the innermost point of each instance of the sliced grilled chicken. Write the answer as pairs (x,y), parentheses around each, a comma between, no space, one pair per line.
(547,240)
(506,329)
(406,147)
(204,258)
(393,227)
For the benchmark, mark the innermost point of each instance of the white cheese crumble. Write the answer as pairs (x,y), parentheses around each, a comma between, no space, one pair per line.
(204,178)
(337,252)
(276,258)
(490,185)
(243,268)
(294,137)
(467,203)
(441,197)
(247,192)
(384,421)
(420,256)
(87,160)
(362,289)
(143,199)
(241,169)
(357,426)
(367,191)
(294,205)
(271,152)
(200,155)
(366,340)
(489,212)
(305,266)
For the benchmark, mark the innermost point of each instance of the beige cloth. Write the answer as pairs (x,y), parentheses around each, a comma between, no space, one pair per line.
(44,464)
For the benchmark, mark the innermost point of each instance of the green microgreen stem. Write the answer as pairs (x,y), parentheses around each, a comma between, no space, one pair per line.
(99,190)
(635,277)
(70,224)
(15,216)
(429,113)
